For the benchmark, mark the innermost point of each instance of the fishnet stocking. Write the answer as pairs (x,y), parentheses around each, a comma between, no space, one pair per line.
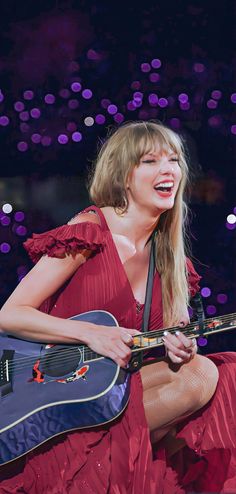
(172,392)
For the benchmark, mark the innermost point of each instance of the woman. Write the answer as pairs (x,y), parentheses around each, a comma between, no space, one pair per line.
(100,261)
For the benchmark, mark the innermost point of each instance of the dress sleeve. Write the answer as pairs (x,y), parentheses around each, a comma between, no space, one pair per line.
(65,240)
(193,278)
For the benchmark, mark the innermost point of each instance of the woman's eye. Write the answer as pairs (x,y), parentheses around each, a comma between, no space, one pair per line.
(174,159)
(148,161)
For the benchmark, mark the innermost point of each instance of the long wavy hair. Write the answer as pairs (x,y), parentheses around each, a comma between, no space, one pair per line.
(118,155)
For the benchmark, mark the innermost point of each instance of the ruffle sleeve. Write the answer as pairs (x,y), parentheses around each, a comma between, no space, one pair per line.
(65,240)
(193,278)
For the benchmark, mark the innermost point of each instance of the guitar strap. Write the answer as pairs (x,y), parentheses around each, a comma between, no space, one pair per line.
(137,360)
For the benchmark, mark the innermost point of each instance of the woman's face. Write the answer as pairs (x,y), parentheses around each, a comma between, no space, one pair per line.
(153,184)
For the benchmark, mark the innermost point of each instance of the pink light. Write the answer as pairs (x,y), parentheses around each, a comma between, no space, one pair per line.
(222,298)
(136,85)
(185,106)
(64,93)
(131,106)
(49,99)
(206,292)
(175,123)
(35,113)
(5,248)
(71,126)
(1,96)
(145,67)
(4,120)
(73,104)
(24,127)
(24,116)
(138,96)
(233,129)
(216,94)
(46,141)
(28,94)
(199,68)
(5,220)
(19,106)
(105,103)
(21,230)
(19,216)
(76,137)
(153,99)
(212,104)
(163,102)
(119,118)
(156,63)
(215,121)
(36,138)
(100,119)
(76,87)
(112,109)
(233,98)
(211,310)
(87,94)
(22,146)
(63,139)
(183,98)
(153,77)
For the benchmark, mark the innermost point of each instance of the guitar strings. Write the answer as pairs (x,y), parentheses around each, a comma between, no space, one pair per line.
(89,353)
(56,356)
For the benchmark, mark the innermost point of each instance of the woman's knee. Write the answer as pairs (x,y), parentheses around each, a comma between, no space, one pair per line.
(201,380)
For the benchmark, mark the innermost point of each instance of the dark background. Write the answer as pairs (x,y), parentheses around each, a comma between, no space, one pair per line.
(47,46)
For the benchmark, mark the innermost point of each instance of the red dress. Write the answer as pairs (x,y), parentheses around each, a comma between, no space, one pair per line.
(118,458)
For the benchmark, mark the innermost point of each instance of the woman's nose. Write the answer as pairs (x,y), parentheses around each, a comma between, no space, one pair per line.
(166,166)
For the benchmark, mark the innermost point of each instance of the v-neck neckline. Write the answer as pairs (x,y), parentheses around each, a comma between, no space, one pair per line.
(139,305)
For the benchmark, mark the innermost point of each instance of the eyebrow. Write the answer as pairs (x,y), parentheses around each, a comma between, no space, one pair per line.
(172,153)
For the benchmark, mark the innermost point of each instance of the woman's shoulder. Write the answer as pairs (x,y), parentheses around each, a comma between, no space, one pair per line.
(82,232)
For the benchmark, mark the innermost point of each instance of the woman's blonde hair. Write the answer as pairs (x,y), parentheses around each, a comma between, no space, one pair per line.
(117,157)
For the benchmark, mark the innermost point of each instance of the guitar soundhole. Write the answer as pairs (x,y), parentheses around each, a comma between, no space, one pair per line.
(61,361)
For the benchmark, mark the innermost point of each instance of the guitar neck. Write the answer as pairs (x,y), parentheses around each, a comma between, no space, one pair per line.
(153,339)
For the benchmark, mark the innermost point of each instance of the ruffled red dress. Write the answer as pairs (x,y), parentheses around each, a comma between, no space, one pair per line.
(118,458)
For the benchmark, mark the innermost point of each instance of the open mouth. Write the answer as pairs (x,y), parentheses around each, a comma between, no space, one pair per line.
(164,186)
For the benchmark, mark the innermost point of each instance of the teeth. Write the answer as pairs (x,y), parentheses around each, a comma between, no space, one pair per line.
(164,185)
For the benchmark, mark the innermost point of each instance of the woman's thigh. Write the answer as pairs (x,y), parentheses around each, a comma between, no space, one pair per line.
(173,391)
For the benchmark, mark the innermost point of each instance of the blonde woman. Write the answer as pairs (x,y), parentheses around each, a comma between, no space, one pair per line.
(100,260)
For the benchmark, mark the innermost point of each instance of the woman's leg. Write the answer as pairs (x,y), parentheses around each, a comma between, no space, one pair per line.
(172,392)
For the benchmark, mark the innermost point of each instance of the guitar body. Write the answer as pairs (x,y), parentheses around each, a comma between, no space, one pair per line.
(46,390)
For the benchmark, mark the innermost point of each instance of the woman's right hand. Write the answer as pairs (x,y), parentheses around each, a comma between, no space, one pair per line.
(112,342)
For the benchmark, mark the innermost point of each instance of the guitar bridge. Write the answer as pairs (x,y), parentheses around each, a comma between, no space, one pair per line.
(5,373)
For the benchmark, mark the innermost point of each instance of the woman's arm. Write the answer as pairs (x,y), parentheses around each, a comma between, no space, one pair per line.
(20,315)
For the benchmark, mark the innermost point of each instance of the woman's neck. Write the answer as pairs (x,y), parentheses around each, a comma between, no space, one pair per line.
(137,225)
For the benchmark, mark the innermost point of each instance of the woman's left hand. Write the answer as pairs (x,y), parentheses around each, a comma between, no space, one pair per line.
(179,348)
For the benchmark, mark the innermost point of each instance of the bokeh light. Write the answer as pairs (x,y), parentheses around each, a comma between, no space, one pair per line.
(222,298)
(89,121)
(19,106)
(63,139)
(206,292)
(231,218)
(49,99)
(7,208)
(35,113)
(211,310)
(100,119)
(28,94)
(76,136)
(87,94)
(19,216)
(5,247)
(4,120)
(36,138)
(76,87)
(46,141)
(5,220)
(22,146)
(156,63)
(145,67)
(21,230)
(112,109)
